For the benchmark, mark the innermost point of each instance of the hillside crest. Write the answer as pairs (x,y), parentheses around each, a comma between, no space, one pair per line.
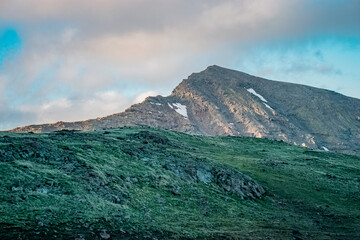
(220,101)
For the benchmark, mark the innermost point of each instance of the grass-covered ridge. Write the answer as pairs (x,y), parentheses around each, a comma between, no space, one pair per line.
(148,183)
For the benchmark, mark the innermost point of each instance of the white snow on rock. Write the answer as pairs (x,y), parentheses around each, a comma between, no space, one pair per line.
(325,148)
(268,106)
(252,91)
(179,108)
(159,104)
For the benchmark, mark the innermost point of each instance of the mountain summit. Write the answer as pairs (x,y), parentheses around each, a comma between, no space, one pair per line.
(220,101)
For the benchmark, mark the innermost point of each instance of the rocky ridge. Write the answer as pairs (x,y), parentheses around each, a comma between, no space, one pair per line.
(219,101)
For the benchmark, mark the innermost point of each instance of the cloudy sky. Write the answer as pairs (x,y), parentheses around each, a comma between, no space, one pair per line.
(73,60)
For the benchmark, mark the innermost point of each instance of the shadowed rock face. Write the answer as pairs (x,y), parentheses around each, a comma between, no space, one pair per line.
(229,180)
(219,101)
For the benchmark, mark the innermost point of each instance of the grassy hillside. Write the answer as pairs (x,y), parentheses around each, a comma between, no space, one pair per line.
(148,183)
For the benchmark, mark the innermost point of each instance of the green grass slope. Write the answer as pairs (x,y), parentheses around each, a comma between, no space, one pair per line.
(143,183)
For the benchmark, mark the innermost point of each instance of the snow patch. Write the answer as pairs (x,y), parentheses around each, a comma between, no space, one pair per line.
(231,123)
(159,104)
(179,108)
(266,105)
(252,91)
(325,148)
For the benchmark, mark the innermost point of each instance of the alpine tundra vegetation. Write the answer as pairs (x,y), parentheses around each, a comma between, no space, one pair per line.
(146,183)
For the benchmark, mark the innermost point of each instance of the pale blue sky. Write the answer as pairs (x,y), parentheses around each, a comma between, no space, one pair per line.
(63,60)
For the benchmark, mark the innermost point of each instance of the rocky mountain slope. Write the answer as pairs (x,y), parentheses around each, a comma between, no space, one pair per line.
(143,183)
(219,101)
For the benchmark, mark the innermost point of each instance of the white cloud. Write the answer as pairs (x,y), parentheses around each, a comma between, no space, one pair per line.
(95,42)
(59,103)
(141,97)
(64,109)
(68,35)
(89,47)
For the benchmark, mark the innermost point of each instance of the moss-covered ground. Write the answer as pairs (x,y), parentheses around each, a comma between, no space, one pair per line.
(111,184)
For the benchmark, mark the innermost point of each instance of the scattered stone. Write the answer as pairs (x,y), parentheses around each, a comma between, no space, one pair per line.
(145,159)
(204,175)
(43,190)
(176,191)
(16,189)
(161,200)
(104,235)
(80,237)
(154,137)
(134,180)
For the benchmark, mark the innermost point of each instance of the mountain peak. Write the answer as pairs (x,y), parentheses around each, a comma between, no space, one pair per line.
(213,68)
(219,69)
(213,77)
(221,101)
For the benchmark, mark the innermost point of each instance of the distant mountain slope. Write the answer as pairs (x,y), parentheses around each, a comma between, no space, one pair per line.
(219,101)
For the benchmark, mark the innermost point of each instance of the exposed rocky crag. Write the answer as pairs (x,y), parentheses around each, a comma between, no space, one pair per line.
(219,101)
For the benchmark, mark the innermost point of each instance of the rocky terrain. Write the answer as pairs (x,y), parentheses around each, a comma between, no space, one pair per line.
(219,101)
(144,183)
